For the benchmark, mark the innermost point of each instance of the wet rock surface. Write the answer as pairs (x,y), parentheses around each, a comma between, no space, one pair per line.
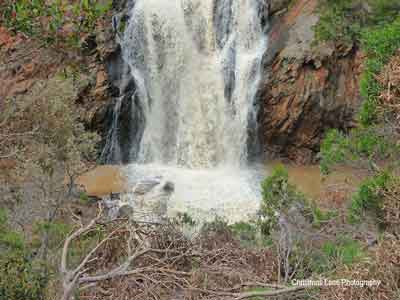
(147,201)
(307,88)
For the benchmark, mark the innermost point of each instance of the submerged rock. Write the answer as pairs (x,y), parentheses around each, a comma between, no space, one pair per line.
(125,211)
(147,201)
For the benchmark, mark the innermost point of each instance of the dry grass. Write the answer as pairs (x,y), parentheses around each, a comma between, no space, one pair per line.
(391,208)
(205,268)
(390,97)
(384,265)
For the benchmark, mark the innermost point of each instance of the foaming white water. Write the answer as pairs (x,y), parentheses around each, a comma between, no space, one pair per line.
(196,66)
(206,193)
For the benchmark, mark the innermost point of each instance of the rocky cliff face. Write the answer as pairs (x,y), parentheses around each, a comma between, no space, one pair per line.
(307,88)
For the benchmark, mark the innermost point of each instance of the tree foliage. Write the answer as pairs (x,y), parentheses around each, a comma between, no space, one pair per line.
(278,196)
(61,21)
(343,21)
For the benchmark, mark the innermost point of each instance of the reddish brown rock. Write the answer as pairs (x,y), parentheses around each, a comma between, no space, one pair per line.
(24,61)
(308,89)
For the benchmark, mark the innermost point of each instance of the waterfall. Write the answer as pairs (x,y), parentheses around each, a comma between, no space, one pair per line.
(196,66)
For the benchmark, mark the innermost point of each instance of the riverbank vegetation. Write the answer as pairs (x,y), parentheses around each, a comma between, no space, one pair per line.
(62,23)
(374,144)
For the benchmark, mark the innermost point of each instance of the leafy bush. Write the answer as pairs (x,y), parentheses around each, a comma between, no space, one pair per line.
(383,264)
(339,22)
(367,144)
(278,195)
(321,216)
(333,254)
(19,277)
(249,234)
(345,251)
(380,45)
(369,196)
(343,21)
(56,232)
(333,149)
(54,21)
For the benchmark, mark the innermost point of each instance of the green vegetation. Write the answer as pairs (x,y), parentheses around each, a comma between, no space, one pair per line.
(338,22)
(380,45)
(344,251)
(322,216)
(331,255)
(56,232)
(51,148)
(343,21)
(369,196)
(374,140)
(54,21)
(361,145)
(20,276)
(278,195)
(185,219)
(368,142)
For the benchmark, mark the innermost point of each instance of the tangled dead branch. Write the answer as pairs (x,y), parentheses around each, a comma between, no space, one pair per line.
(391,208)
(390,97)
(150,261)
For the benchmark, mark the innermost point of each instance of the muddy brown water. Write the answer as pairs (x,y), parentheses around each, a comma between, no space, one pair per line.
(103,180)
(329,191)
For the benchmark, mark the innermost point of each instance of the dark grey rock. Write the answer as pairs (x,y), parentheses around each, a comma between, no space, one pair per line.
(125,211)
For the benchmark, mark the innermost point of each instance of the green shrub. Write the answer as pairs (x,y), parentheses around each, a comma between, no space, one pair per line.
(361,144)
(332,254)
(217,225)
(245,231)
(278,195)
(369,197)
(3,220)
(343,21)
(56,232)
(46,19)
(185,219)
(249,234)
(339,21)
(333,150)
(320,216)
(368,142)
(20,278)
(84,198)
(345,251)
(380,45)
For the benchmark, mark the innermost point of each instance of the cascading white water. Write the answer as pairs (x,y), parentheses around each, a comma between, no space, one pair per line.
(196,65)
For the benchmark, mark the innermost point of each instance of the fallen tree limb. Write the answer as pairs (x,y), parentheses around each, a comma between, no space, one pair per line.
(282,291)
(155,260)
